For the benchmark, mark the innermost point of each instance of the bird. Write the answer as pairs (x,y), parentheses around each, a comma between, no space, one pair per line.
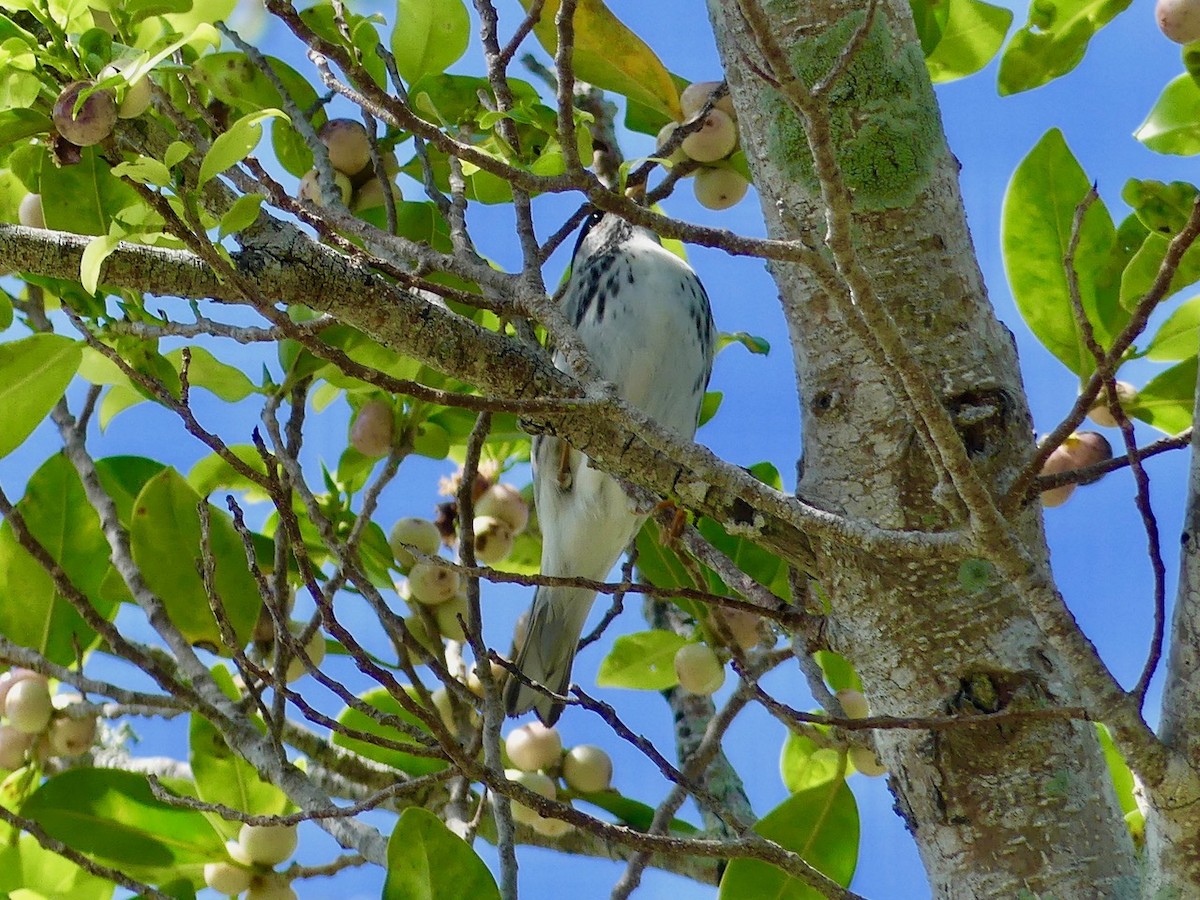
(645,320)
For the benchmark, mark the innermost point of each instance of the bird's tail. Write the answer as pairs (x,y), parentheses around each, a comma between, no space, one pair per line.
(555,625)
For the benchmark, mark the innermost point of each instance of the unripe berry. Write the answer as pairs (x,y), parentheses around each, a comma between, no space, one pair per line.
(14,745)
(1179,20)
(698,669)
(137,95)
(11,677)
(534,746)
(536,782)
(270,886)
(416,532)
(314,648)
(348,145)
(71,736)
(267,845)
(371,432)
(371,195)
(310,187)
(1127,395)
(695,95)
(665,134)
(719,188)
(504,502)
(420,633)
(431,584)
(446,615)
(30,213)
(744,627)
(225,878)
(715,140)
(866,762)
(854,704)
(28,706)
(493,540)
(95,119)
(587,768)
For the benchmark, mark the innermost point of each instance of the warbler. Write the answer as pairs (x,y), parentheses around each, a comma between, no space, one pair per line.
(645,320)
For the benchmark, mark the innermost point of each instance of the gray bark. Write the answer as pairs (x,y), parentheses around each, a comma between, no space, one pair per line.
(996,810)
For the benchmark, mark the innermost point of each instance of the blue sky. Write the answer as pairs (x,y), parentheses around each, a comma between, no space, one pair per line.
(1096,538)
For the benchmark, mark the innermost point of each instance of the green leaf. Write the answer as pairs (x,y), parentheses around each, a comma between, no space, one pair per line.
(427,861)
(752,342)
(112,815)
(208,372)
(213,472)
(94,254)
(231,147)
(1173,123)
(610,56)
(84,198)
(971,36)
(123,478)
(224,777)
(710,405)
(165,536)
(242,85)
(1121,775)
(1179,336)
(58,515)
(805,764)
(1162,208)
(1053,41)
(241,215)
(632,812)
(839,674)
(1166,402)
(18,124)
(821,825)
(1142,270)
(1039,208)
(643,661)
(34,372)
(397,759)
(429,37)
(30,872)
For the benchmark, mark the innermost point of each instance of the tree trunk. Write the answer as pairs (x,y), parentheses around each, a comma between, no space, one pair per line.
(996,810)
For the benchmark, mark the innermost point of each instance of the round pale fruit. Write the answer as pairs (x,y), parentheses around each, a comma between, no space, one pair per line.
(520,631)
(719,188)
(695,95)
(536,782)
(420,633)
(865,761)
(371,432)
(1080,449)
(225,878)
(371,195)
(854,704)
(72,736)
(28,706)
(14,745)
(698,669)
(504,502)
(310,187)
(745,628)
(30,213)
(348,145)
(314,648)
(493,540)
(416,532)
(95,119)
(440,698)
(665,135)
(587,768)
(551,827)
(11,677)
(137,95)
(271,886)
(1127,395)
(534,746)
(431,584)
(1179,20)
(446,615)
(267,845)
(716,138)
